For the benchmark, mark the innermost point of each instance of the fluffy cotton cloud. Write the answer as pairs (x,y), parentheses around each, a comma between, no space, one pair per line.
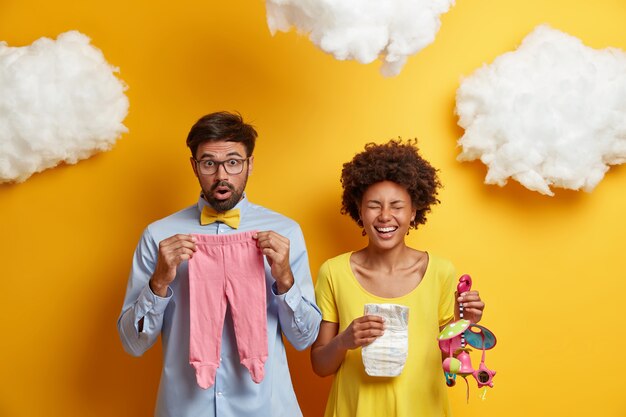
(59,102)
(551,113)
(363,30)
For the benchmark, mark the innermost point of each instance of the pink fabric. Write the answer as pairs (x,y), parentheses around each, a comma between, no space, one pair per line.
(227,268)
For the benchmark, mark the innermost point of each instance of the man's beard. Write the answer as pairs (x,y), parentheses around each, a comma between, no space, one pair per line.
(230,202)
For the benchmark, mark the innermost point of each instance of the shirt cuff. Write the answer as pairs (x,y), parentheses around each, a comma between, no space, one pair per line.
(150,302)
(291,298)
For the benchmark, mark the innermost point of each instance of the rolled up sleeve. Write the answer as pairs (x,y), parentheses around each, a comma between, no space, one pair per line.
(298,314)
(140,303)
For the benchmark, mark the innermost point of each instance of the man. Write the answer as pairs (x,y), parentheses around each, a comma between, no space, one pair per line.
(158,294)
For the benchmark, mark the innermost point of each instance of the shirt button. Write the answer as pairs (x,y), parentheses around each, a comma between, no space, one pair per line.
(219,393)
(220,359)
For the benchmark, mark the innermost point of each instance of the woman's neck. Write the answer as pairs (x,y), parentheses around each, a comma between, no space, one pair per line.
(387,260)
(389,273)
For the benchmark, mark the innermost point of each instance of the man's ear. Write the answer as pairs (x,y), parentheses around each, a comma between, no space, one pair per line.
(250,163)
(193,165)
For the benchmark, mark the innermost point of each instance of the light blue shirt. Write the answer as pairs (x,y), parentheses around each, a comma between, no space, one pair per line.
(293,314)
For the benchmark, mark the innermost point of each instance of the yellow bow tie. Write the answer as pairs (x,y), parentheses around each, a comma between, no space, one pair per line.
(229,218)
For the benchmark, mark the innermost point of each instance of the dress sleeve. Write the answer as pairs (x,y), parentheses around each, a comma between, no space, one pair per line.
(325,294)
(297,312)
(140,322)
(446,294)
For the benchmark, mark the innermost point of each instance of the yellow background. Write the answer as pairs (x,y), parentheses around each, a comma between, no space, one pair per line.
(552,270)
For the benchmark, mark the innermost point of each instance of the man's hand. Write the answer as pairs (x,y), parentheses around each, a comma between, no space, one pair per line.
(172,251)
(276,249)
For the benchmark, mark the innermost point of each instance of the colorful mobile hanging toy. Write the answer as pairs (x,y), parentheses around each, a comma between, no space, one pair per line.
(453,340)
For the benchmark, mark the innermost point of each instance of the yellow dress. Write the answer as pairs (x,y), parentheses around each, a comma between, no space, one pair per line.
(420,390)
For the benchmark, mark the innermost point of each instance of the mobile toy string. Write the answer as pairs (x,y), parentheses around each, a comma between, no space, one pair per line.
(453,340)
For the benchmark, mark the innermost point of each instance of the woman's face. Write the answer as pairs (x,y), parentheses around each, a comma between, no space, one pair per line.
(386,212)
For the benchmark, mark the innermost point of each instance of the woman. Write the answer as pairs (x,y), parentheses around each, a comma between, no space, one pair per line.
(387,190)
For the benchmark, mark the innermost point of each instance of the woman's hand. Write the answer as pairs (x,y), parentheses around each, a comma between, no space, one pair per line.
(329,350)
(473,306)
(362,331)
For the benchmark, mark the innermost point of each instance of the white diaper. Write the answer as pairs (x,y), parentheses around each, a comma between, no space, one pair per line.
(387,354)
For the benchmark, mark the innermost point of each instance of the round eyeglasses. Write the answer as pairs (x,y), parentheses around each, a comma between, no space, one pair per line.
(232,166)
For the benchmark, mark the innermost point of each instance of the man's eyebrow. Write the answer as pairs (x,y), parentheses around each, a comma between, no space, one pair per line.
(211,155)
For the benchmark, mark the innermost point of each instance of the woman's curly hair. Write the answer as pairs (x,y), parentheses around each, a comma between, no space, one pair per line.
(393,161)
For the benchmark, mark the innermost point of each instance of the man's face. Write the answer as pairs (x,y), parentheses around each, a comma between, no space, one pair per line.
(221,189)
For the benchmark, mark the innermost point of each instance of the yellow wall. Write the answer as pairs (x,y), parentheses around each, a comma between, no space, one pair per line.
(552,270)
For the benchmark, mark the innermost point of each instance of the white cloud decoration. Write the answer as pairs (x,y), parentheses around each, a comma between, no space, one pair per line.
(550,114)
(363,30)
(59,102)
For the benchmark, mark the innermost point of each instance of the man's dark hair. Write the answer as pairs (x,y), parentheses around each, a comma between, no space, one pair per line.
(221,126)
(393,161)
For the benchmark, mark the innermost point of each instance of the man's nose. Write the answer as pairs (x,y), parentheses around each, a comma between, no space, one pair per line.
(221,173)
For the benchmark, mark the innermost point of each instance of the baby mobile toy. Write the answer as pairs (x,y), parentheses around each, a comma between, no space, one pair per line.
(453,341)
